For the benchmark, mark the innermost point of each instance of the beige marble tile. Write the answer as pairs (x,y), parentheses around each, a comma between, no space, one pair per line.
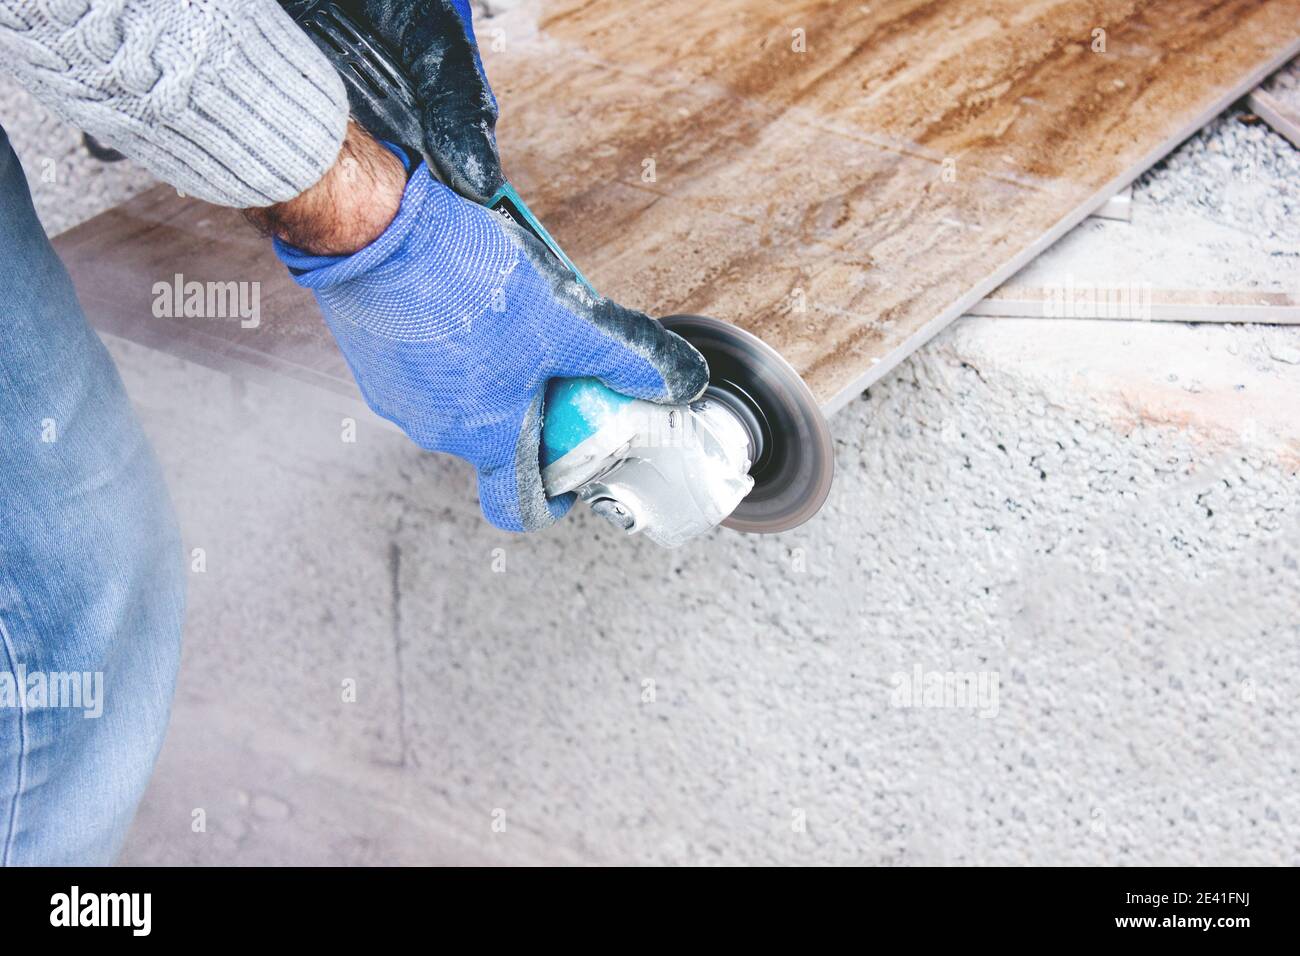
(842,179)
(847,190)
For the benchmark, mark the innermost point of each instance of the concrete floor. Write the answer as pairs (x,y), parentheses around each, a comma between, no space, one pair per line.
(1097,520)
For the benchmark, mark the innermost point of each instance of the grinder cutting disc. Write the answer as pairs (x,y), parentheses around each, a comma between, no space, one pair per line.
(793,457)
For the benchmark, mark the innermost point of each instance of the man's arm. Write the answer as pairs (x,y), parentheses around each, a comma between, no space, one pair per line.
(351,205)
(228,100)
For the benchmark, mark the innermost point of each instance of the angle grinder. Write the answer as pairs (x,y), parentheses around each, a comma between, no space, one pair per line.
(753,453)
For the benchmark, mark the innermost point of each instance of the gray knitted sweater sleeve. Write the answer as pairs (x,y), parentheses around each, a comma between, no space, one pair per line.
(227,100)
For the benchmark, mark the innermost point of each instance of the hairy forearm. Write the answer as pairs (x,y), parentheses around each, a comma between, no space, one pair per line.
(349,207)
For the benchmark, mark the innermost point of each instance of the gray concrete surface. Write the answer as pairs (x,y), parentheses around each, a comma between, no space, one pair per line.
(1097,520)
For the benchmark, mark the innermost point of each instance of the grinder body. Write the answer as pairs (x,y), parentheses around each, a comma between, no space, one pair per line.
(670,471)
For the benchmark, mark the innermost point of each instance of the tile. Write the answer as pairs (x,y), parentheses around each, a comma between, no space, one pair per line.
(842,179)
(894,171)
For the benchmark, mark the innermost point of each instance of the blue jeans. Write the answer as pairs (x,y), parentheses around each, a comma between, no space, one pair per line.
(91,569)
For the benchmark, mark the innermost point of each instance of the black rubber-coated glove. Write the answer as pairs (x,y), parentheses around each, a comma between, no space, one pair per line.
(433,42)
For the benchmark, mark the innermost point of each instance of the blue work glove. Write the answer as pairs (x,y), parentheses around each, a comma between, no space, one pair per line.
(453,321)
